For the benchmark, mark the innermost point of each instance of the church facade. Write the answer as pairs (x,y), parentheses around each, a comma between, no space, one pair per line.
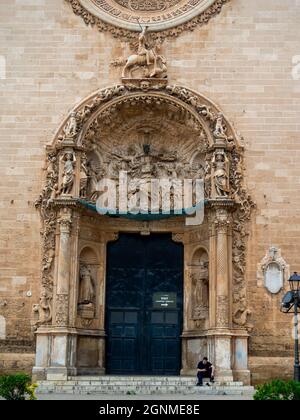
(100,100)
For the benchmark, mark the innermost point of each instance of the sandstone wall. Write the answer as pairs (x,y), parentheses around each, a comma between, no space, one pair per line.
(242,60)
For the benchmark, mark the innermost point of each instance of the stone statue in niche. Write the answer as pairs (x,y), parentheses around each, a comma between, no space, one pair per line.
(147,59)
(69,161)
(200,291)
(87,290)
(86,298)
(221,174)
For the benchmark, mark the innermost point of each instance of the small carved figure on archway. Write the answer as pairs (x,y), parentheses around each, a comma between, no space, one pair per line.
(68,173)
(70,129)
(54,192)
(51,171)
(83,176)
(207,179)
(220,130)
(221,174)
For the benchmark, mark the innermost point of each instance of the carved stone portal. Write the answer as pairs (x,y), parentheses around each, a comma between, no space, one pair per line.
(163,132)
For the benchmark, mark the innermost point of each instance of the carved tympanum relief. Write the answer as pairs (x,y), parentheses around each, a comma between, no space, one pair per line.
(160,143)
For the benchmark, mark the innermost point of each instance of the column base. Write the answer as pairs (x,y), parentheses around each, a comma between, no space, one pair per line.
(60,373)
(242,376)
(39,374)
(220,353)
(223,376)
(90,371)
(188,372)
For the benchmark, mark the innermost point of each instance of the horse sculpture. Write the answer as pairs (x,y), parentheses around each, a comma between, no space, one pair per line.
(156,68)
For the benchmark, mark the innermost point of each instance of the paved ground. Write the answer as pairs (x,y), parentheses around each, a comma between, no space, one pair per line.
(141,397)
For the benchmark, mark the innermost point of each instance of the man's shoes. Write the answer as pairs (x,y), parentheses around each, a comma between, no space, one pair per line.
(199,384)
(207,384)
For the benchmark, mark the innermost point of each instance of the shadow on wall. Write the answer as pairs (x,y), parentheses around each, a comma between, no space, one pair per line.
(2,67)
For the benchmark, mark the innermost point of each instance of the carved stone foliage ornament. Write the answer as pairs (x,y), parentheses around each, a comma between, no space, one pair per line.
(165,18)
(49,220)
(62,309)
(273,271)
(241,312)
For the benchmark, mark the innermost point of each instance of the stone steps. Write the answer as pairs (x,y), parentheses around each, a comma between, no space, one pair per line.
(106,385)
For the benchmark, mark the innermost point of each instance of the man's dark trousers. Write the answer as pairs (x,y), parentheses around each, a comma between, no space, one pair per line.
(202,375)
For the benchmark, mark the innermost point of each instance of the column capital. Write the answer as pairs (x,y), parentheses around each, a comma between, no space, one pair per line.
(220,219)
(65,220)
(222,203)
(109,237)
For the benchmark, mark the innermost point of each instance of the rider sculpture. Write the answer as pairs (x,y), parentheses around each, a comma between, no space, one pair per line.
(146,57)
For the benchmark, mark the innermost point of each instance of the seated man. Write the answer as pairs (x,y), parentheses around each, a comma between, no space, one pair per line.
(205,370)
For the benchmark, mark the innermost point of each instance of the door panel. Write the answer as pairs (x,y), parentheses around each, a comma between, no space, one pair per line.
(144,302)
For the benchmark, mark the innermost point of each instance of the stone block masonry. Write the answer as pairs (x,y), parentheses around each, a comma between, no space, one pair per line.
(245,60)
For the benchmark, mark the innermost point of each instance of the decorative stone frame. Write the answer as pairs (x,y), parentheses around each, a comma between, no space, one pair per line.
(68,226)
(106,23)
(273,257)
